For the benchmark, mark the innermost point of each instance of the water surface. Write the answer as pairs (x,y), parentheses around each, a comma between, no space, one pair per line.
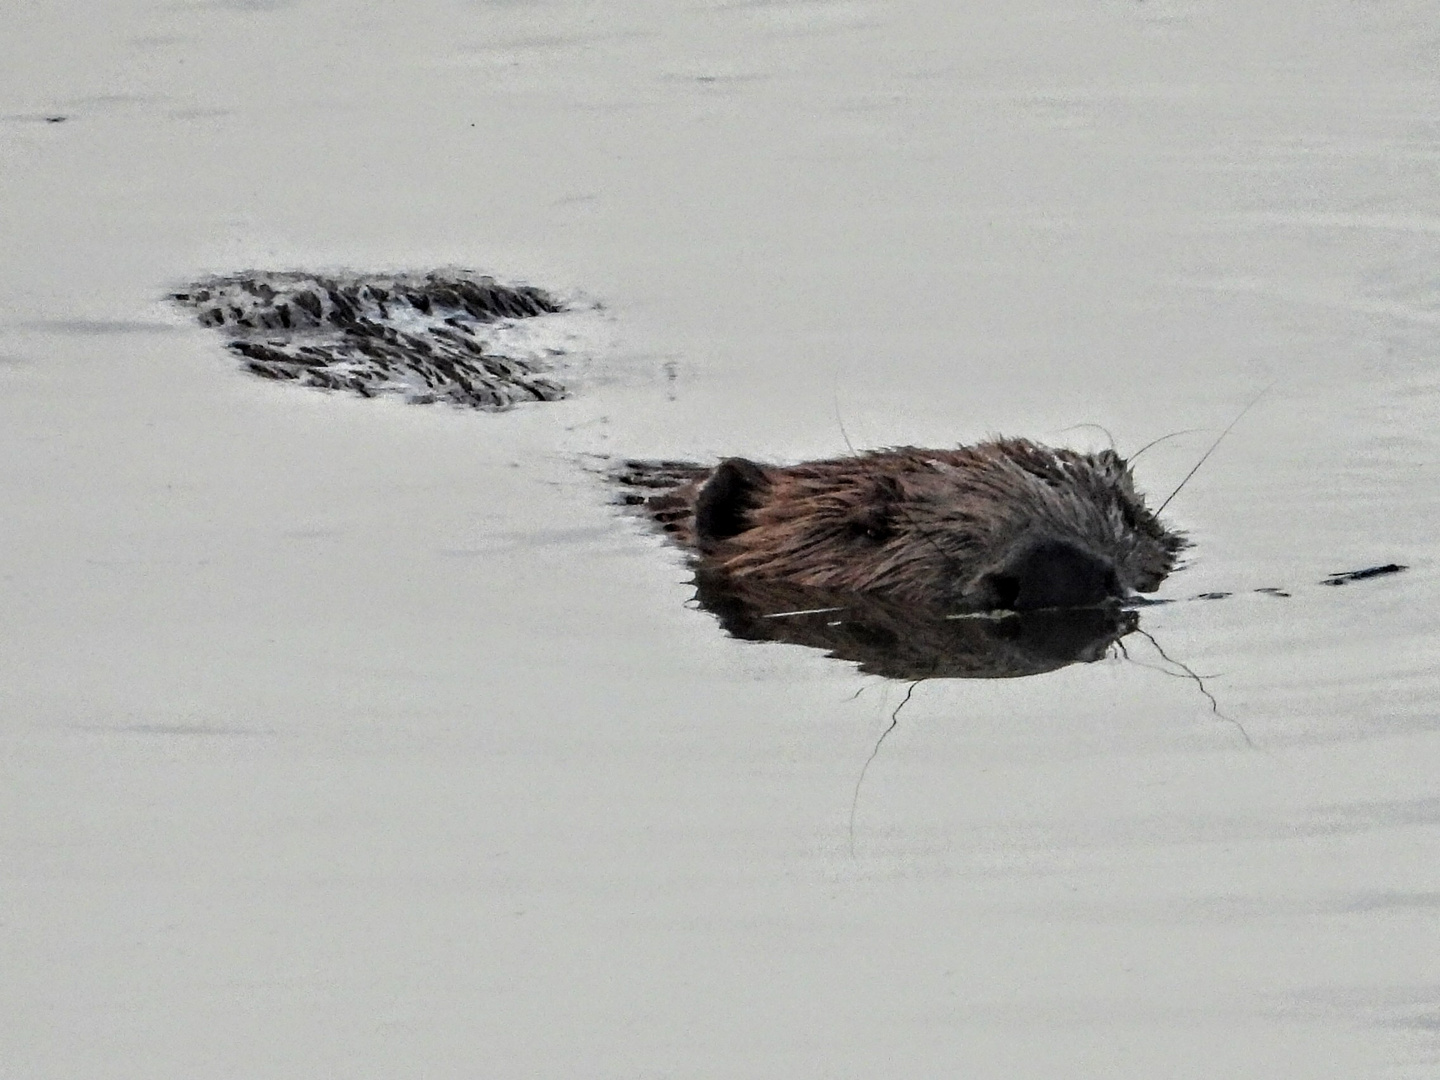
(347,738)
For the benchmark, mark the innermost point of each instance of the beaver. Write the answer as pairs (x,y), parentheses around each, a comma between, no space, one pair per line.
(1006,524)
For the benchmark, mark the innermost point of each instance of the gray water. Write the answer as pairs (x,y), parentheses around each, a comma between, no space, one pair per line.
(348,738)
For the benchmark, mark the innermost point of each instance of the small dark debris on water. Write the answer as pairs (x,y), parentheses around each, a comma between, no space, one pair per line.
(1360,575)
(429,337)
(56,119)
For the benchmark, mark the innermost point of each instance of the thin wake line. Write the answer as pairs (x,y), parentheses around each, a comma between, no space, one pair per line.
(1200,684)
(894,719)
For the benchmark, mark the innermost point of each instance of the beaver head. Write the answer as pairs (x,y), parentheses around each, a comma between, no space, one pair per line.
(1005,524)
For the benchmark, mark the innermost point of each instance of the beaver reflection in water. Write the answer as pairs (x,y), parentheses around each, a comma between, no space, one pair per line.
(908,641)
(919,535)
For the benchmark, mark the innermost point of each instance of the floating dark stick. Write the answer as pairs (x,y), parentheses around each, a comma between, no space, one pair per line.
(1360,575)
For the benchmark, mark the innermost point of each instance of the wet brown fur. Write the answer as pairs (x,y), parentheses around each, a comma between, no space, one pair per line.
(931,526)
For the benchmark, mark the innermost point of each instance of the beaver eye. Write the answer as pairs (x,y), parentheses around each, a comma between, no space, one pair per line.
(870,523)
(874,532)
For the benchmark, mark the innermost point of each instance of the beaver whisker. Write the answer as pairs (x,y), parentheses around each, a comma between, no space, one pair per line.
(1161,439)
(835,395)
(1133,602)
(1098,427)
(805,611)
(1204,457)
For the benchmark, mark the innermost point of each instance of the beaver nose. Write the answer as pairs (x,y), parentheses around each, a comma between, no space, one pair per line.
(1051,574)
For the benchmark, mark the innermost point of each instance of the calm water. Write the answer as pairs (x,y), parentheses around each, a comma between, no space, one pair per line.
(344,738)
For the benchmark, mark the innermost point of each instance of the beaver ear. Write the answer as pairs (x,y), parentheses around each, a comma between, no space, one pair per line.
(1115,470)
(1111,464)
(726,499)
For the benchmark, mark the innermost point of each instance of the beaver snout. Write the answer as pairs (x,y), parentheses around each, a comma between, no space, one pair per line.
(1049,574)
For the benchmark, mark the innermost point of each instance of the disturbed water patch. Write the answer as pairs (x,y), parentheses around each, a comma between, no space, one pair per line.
(448,335)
